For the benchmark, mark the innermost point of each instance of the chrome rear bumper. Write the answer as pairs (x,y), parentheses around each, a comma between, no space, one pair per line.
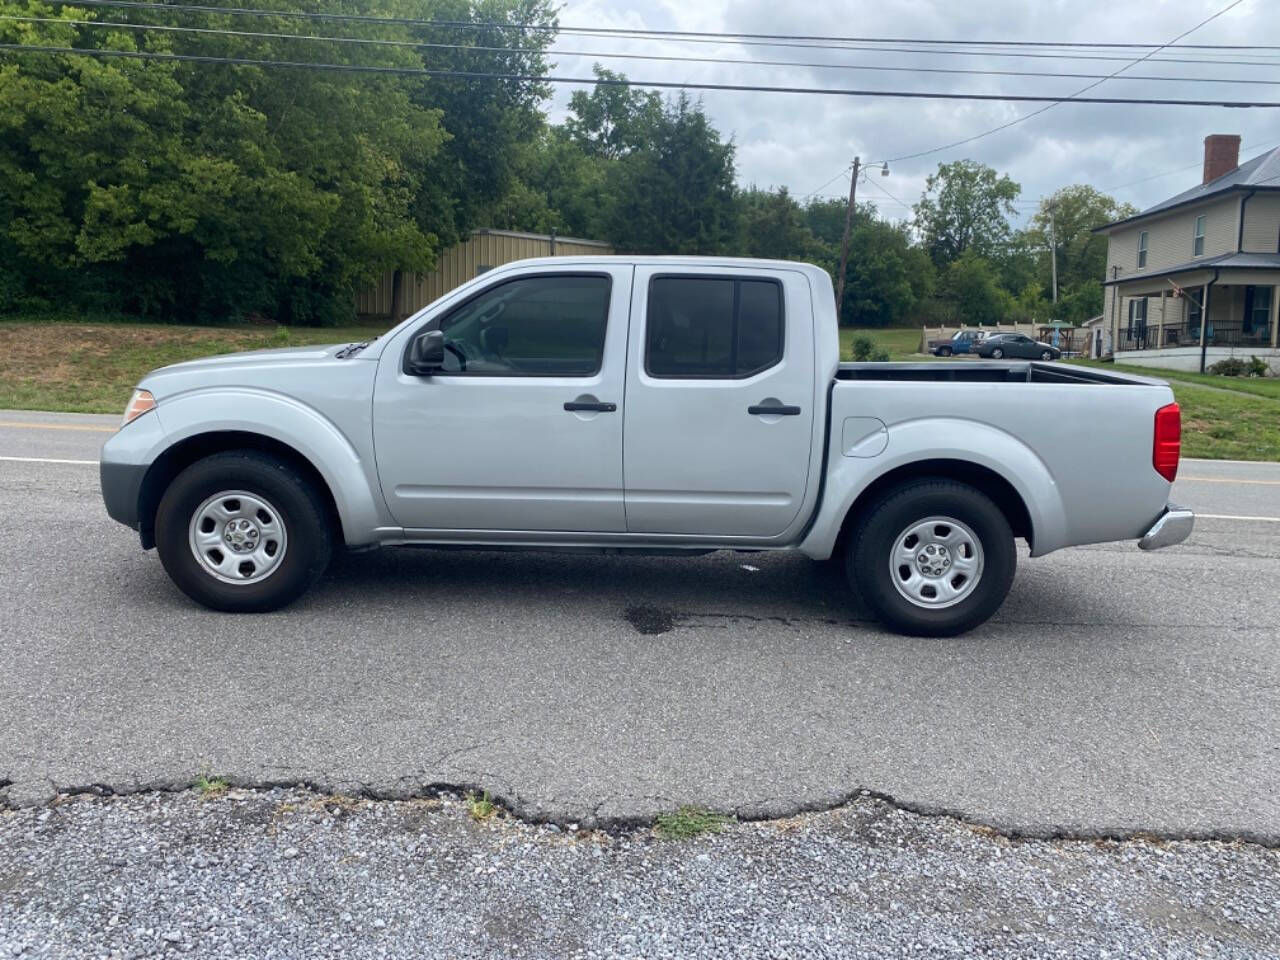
(1173,526)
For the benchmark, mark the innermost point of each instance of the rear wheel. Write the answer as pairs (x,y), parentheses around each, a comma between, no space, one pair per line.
(997,354)
(944,352)
(932,558)
(243,531)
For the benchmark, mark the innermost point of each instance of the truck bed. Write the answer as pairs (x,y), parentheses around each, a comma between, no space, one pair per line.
(1028,371)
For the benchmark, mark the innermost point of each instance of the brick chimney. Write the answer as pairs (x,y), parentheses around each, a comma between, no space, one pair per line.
(1221,155)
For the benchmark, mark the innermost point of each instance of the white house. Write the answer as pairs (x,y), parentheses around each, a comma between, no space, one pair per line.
(1196,278)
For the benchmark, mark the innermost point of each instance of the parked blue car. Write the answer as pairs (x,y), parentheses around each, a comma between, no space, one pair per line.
(962,341)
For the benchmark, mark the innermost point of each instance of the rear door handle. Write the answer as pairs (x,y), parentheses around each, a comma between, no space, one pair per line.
(774,410)
(575,406)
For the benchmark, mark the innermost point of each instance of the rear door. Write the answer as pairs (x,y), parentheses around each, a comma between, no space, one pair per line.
(522,430)
(719,420)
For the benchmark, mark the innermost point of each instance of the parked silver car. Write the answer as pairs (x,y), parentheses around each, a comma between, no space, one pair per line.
(644,404)
(1002,346)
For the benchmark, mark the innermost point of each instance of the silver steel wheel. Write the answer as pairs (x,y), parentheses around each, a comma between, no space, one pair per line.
(936,562)
(238,537)
(997,354)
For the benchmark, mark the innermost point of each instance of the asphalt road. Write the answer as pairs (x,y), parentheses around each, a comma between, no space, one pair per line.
(1117,691)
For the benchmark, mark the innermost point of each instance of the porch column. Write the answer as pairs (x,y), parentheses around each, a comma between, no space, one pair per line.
(1204,321)
(1164,300)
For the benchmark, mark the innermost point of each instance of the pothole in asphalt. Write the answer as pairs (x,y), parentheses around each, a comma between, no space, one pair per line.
(651,620)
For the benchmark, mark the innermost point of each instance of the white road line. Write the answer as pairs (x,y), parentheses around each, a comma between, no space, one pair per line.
(1263,483)
(84,427)
(80,463)
(1228,516)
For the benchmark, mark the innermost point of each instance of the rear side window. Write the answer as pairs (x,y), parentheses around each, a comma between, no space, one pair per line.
(710,327)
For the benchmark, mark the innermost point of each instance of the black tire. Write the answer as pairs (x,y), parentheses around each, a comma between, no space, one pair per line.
(997,354)
(1046,355)
(868,567)
(302,513)
(944,352)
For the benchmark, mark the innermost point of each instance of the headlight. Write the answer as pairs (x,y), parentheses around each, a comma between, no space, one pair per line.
(139,403)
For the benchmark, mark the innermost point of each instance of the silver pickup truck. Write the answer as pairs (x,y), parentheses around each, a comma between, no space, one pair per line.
(648,404)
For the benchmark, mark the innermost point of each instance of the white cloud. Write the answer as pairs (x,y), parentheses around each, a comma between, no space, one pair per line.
(800,141)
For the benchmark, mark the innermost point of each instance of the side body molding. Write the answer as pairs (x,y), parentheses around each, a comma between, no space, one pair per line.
(942,438)
(344,459)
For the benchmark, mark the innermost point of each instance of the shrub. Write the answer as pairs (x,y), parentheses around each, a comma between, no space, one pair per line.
(1231,367)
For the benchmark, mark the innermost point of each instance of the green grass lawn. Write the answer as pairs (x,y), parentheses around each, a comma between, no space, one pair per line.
(92,368)
(901,342)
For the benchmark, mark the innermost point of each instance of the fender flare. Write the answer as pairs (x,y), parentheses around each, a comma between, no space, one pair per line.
(941,438)
(352,480)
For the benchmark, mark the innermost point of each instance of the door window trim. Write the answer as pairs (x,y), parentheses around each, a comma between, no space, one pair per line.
(435,322)
(736,279)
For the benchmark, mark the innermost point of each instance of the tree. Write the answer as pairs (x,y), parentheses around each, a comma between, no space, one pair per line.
(887,277)
(965,206)
(675,193)
(971,291)
(773,227)
(1082,254)
(614,118)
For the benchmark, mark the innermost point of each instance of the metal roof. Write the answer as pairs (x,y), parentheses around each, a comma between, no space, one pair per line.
(1224,261)
(1262,173)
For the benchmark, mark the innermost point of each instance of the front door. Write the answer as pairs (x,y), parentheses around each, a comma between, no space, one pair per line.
(522,429)
(720,392)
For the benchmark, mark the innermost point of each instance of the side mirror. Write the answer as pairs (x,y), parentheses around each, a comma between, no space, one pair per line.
(426,354)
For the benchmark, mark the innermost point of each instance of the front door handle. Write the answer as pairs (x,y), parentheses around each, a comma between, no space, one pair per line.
(773,410)
(576,406)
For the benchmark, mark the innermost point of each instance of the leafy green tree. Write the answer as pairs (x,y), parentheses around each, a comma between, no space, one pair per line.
(965,207)
(1082,255)
(971,290)
(614,119)
(773,227)
(887,276)
(675,194)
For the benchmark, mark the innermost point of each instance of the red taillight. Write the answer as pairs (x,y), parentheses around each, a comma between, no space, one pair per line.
(1167,447)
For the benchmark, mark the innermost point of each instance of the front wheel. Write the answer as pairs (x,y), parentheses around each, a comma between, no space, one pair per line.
(997,354)
(243,531)
(932,558)
(1046,355)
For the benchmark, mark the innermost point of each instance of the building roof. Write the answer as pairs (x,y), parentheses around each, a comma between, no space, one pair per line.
(1224,261)
(1260,173)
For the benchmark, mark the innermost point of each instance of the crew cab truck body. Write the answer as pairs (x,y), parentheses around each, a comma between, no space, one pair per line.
(962,341)
(672,404)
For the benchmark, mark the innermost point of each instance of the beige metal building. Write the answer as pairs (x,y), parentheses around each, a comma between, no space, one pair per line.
(483,250)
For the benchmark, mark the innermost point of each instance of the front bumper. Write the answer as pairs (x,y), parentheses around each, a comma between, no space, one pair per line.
(121,486)
(1172,526)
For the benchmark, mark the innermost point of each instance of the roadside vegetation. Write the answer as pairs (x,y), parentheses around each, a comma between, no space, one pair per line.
(480,806)
(92,368)
(689,821)
(210,786)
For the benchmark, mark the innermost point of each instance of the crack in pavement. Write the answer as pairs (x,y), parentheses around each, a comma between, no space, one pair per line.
(587,815)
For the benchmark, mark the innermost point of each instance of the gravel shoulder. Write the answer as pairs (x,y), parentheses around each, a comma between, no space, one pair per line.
(291,873)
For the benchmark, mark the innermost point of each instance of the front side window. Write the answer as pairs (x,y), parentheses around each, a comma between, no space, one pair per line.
(1198,242)
(543,326)
(713,327)
(1142,249)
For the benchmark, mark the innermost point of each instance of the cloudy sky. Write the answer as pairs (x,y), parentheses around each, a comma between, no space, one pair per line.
(800,141)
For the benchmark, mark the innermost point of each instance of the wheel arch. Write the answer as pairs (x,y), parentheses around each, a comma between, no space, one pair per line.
(182,454)
(980,477)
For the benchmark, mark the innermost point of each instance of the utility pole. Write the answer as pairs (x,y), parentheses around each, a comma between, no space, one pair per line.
(1053,255)
(844,243)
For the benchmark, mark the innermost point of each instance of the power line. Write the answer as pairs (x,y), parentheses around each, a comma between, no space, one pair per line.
(827,184)
(655,84)
(639,35)
(411,44)
(1189,166)
(643,32)
(1073,97)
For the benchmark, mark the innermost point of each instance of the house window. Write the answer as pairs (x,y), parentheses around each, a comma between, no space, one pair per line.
(1197,248)
(1257,310)
(1142,249)
(1137,319)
